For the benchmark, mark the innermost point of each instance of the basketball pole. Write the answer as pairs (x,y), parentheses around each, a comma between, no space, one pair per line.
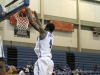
(79,26)
(42,11)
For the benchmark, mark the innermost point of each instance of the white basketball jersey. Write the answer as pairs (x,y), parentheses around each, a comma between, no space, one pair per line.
(43,46)
(1,48)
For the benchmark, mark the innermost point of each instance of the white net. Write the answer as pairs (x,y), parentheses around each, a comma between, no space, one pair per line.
(22,22)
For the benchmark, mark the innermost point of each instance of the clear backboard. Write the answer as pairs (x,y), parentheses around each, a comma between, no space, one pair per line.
(9,7)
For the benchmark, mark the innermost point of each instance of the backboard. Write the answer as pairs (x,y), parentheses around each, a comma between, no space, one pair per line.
(10,7)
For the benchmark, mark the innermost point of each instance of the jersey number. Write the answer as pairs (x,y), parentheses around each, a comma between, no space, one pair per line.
(50,43)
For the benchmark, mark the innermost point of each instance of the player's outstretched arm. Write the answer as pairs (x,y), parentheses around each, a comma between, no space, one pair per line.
(31,21)
(37,19)
(35,25)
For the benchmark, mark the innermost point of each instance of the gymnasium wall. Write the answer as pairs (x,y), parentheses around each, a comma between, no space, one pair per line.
(61,8)
(89,41)
(89,11)
(66,9)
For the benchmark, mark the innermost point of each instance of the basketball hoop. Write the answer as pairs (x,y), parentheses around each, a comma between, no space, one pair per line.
(21,22)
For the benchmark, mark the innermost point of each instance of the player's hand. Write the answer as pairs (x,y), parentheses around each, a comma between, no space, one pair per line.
(28,9)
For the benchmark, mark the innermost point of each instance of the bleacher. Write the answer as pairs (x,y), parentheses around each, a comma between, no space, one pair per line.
(27,54)
(86,61)
(59,57)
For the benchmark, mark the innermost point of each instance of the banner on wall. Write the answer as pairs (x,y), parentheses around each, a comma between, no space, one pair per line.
(63,26)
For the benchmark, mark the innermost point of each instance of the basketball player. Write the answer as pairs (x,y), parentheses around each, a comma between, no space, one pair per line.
(44,64)
(2,63)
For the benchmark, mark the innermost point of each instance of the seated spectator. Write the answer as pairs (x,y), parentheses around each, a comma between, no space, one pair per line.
(7,66)
(54,73)
(79,71)
(12,70)
(58,70)
(95,69)
(57,67)
(74,72)
(67,70)
(22,72)
(18,70)
(31,70)
(26,69)
(66,67)
(28,65)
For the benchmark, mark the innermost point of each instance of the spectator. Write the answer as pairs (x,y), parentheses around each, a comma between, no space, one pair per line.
(22,72)
(57,67)
(26,69)
(58,70)
(74,72)
(28,65)
(18,70)
(67,70)
(7,66)
(79,71)
(95,69)
(12,70)
(31,70)
(54,73)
